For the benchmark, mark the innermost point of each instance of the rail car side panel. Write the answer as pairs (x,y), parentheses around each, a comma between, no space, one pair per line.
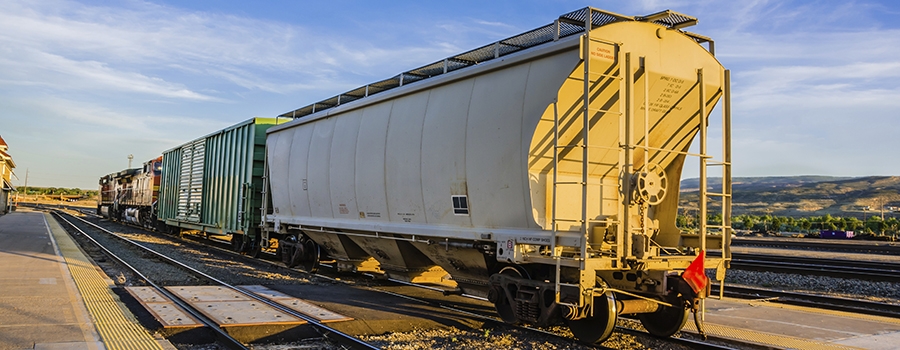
(403,159)
(371,195)
(444,170)
(493,149)
(296,155)
(319,180)
(343,166)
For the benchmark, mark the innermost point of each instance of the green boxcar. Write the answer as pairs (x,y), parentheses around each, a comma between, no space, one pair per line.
(213,184)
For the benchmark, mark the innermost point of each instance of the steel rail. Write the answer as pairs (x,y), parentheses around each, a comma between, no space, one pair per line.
(694,344)
(840,268)
(221,335)
(812,300)
(324,330)
(828,262)
(817,244)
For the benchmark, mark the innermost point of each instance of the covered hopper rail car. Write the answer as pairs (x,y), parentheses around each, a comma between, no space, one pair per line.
(541,172)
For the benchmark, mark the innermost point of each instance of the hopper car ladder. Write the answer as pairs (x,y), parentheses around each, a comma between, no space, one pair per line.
(585,113)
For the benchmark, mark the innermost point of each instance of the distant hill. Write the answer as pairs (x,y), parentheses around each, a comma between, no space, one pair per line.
(760,182)
(803,195)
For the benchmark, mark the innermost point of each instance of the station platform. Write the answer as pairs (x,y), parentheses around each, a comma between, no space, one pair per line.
(774,325)
(53,297)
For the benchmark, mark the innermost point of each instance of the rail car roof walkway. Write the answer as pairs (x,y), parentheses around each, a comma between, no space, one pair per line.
(53,297)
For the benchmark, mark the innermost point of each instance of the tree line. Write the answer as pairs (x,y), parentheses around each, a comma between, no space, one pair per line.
(872,225)
(57,191)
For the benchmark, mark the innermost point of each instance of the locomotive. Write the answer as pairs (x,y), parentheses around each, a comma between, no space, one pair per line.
(131,194)
(540,172)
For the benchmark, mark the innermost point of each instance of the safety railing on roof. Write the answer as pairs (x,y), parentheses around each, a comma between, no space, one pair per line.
(568,24)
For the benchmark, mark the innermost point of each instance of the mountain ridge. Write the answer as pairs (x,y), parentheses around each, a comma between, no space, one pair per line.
(801,196)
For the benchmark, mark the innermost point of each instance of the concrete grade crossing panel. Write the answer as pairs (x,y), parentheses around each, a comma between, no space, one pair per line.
(230,308)
(163,309)
(297,304)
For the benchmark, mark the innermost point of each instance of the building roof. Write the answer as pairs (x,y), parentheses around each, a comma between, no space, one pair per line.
(6,157)
(2,142)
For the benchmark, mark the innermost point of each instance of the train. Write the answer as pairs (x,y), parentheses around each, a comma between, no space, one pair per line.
(131,194)
(540,172)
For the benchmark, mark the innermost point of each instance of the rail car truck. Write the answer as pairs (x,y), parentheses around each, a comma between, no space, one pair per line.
(540,171)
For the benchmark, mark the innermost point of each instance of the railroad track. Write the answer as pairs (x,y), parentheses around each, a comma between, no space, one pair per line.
(490,320)
(812,300)
(222,337)
(814,244)
(839,268)
(686,342)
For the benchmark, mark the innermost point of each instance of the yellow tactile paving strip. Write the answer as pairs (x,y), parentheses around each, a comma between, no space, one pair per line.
(778,341)
(844,314)
(116,330)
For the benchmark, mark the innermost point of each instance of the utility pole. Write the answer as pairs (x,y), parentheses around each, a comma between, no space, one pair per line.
(26,183)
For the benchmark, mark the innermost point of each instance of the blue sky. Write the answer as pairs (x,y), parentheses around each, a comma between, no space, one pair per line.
(83,84)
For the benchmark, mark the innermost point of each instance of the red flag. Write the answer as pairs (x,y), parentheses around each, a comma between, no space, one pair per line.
(695,274)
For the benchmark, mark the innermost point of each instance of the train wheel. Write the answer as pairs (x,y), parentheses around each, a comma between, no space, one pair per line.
(665,321)
(255,248)
(294,253)
(596,328)
(311,256)
(237,240)
(504,305)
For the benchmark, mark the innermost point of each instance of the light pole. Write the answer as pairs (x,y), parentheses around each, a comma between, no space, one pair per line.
(865,211)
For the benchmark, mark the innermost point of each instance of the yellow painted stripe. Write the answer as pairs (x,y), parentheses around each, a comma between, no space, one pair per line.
(845,314)
(775,340)
(116,330)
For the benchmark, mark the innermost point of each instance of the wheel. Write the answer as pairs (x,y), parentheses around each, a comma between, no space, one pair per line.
(597,328)
(237,240)
(255,248)
(665,321)
(311,256)
(292,254)
(503,305)
(651,184)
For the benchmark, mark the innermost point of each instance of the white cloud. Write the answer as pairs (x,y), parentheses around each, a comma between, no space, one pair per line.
(112,48)
(27,67)
(101,117)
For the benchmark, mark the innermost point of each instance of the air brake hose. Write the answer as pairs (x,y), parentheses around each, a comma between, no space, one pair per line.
(698,323)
